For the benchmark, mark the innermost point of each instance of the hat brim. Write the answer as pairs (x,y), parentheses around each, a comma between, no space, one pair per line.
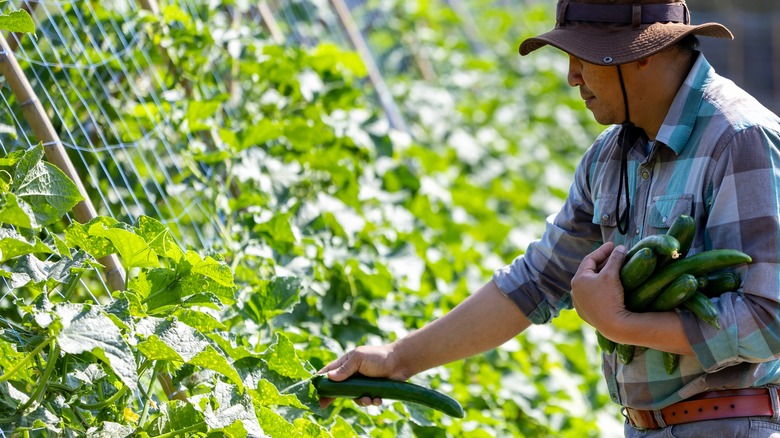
(611,45)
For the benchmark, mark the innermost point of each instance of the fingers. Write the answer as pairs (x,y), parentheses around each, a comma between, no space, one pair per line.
(615,260)
(338,370)
(595,260)
(341,369)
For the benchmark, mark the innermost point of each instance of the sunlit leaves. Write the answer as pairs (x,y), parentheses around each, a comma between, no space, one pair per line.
(89,329)
(37,194)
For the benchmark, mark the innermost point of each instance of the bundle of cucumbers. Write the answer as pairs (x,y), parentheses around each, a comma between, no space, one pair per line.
(658,276)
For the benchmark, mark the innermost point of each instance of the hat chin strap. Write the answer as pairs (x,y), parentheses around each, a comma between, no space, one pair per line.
(626,139)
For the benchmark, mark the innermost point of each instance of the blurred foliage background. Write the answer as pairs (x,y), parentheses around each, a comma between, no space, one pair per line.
(359,174)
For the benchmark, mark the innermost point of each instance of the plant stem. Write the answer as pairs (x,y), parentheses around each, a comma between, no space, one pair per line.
(148,397)
(26,359)
(181,431)
(54,353)
(70,287)
(109,401)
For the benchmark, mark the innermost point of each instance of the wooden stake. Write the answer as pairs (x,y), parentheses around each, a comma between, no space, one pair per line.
(374,75)
(56,154)
(270,22)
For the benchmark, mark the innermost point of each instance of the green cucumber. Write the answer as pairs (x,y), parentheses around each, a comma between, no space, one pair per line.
(721,282)
(625,353)
(684,230)
(636,269)
(361,386)
(675,294)
(607,345)
(671,360)
(661,244)
(703,308)
(696,264)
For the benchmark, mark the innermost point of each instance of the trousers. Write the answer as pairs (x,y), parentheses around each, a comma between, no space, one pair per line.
(745,427)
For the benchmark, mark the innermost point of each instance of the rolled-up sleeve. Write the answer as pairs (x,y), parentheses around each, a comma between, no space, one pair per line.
(538,282)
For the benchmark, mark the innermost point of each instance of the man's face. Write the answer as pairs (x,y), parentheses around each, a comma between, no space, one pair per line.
(599,88)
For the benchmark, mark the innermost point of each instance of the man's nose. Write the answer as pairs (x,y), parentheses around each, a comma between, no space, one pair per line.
(575,72)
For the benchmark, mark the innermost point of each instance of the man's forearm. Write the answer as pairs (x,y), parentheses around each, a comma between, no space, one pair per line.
(482,322)
(661,331)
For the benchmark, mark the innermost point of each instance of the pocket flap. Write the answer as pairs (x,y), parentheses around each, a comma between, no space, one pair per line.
(665,209)
(604,209)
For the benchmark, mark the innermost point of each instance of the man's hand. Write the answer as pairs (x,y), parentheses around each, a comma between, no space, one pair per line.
(596,291)
(370,361)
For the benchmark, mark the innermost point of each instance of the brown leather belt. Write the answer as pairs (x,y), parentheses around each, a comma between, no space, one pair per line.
(710,405)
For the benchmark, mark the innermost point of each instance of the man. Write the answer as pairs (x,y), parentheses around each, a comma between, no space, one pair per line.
(683,140)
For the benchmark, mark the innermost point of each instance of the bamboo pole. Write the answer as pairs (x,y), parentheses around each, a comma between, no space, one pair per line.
(150,5)
(55,152)
(374,75)
(469,26)
(270,22)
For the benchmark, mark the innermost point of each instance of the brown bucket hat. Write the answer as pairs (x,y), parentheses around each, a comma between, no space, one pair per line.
(613,32)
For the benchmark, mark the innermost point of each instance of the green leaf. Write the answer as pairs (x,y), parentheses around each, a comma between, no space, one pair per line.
(48,191)
(26,164)
(282,359)
(9,357)
(261,132)
(175,416)
(226,406)
(29,269)
(159,289)
(17,21)
(77,235)
(273,297)
(278,230)
(87,329)
(13,245)
(211,269)
(267,394)
(155,349)
(132,248)
(16,212)
(180,338)
(215,360)
(159,238)
(275,425)
(198,113)
(199,320)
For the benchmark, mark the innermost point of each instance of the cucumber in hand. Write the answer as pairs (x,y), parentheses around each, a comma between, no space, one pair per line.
(361,386)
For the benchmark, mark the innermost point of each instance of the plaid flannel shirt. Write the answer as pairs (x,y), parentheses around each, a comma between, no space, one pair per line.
(717,159)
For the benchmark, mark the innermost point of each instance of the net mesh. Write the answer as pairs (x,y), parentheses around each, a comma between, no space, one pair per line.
(137,124)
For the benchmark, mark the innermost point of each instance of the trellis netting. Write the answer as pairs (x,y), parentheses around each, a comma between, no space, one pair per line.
(344,159)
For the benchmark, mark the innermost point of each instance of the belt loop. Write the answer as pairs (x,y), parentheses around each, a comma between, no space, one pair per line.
(659,418)
(775,403)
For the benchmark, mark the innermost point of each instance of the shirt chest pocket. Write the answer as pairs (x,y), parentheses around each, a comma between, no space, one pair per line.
(664,209)
(660,214)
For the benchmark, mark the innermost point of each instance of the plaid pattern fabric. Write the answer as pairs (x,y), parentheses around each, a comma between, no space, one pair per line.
(717,159)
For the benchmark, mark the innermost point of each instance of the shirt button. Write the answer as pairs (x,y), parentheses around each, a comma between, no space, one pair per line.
(613,396)
(637,231)
(665,219)
(645,174)
(604,217)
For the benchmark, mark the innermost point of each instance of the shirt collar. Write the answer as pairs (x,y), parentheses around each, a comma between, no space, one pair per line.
(678,124)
